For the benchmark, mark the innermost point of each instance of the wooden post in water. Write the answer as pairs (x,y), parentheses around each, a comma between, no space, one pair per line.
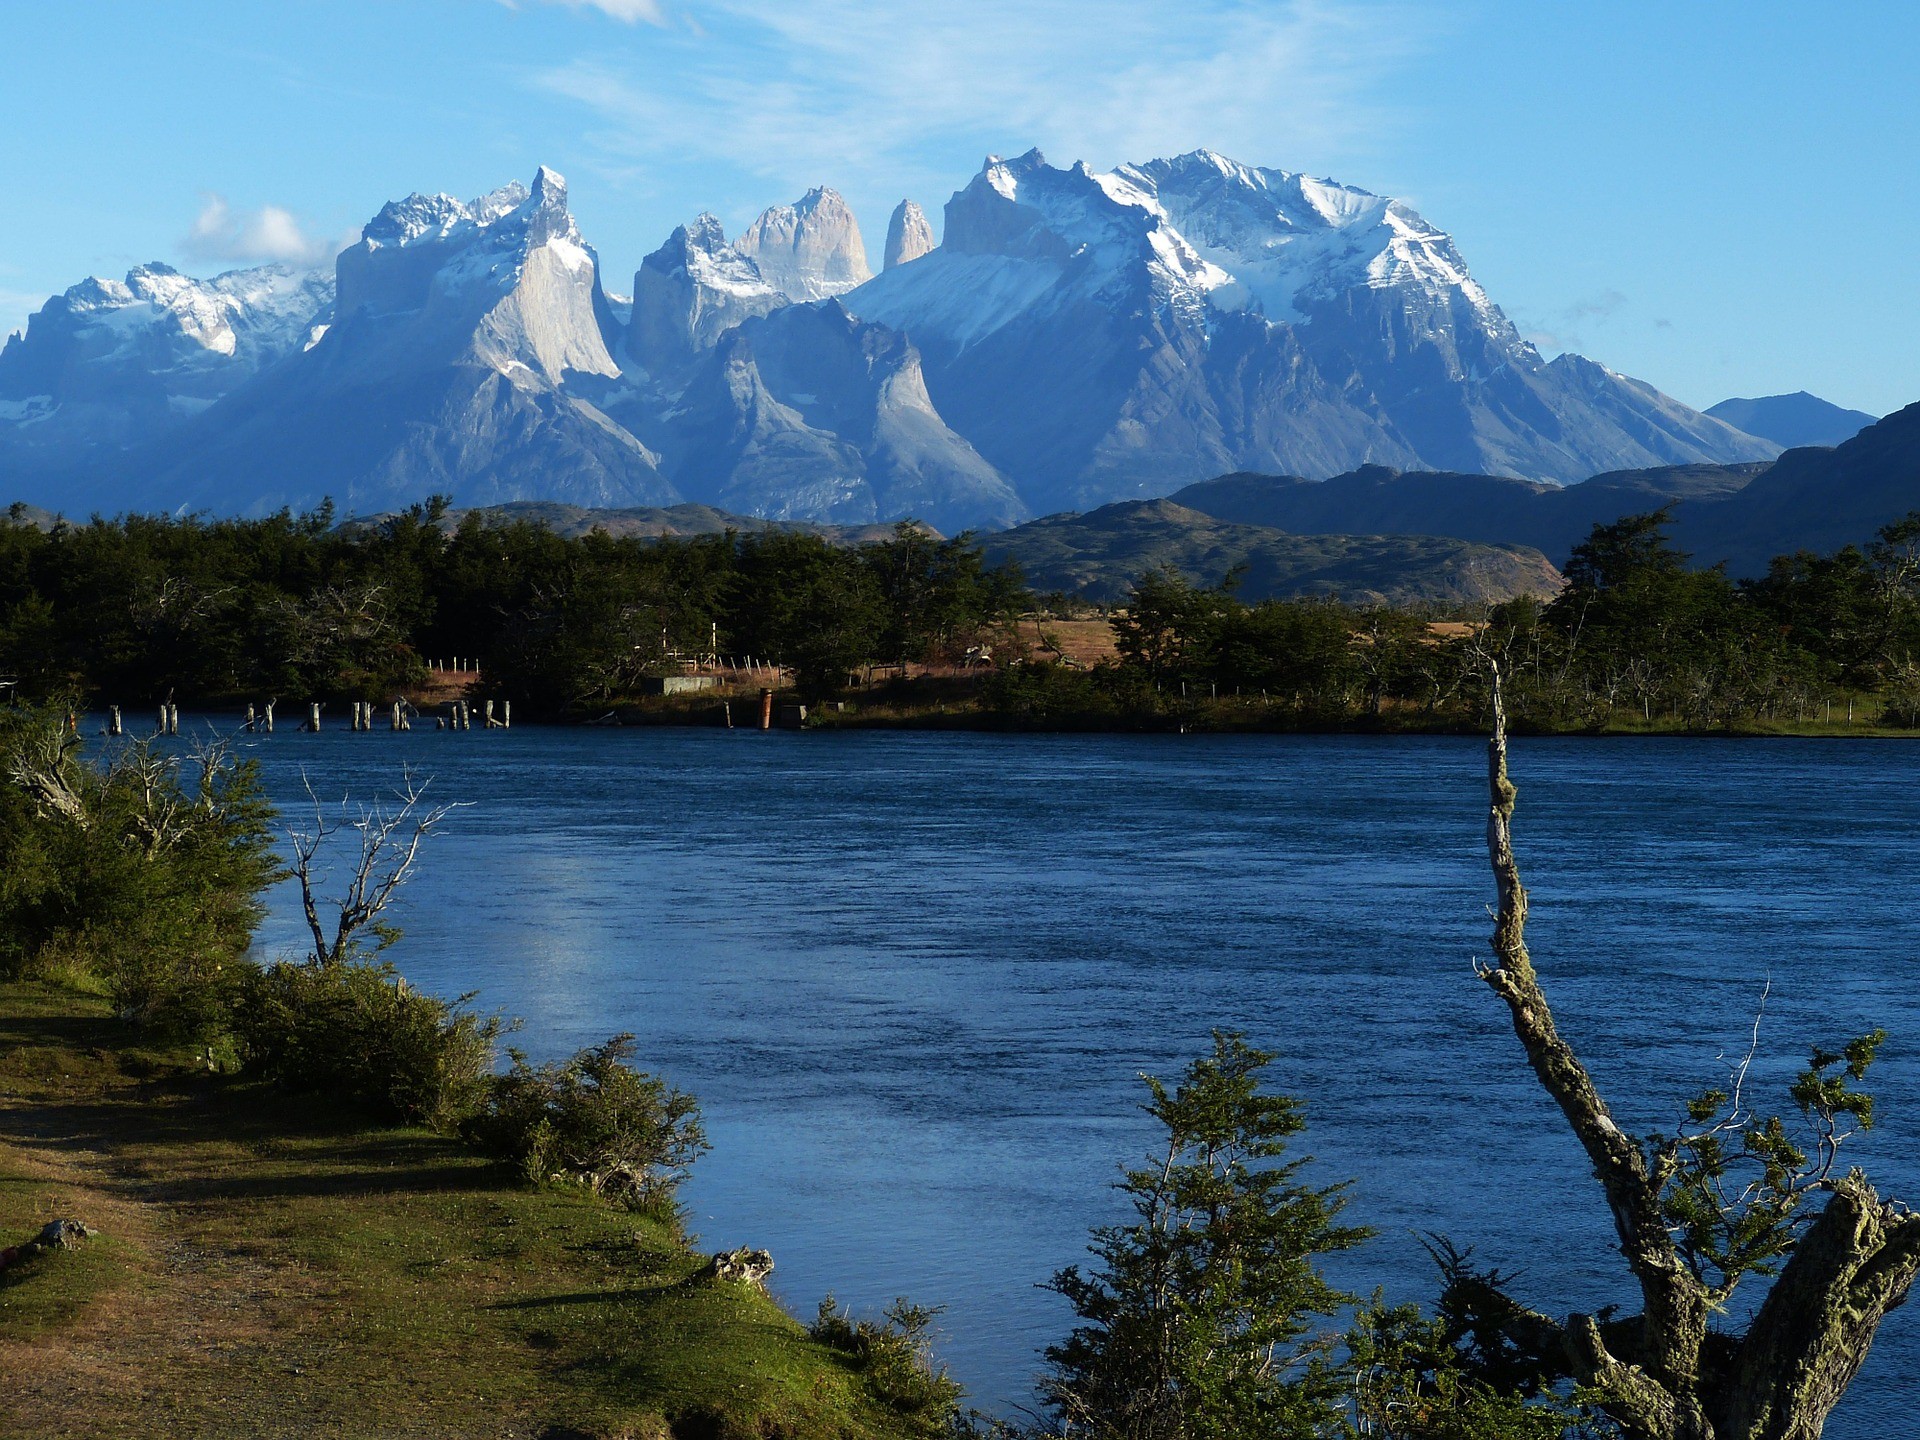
(766,709)
(506,714)
(397,726)
(490,721)
(726,713)
(113,720)
(313,717)
(270,705)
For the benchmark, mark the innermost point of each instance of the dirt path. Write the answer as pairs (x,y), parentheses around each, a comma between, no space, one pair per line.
(172,1312)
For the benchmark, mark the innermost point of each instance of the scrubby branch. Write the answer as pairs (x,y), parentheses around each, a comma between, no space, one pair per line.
(44,767)
(390,839)
(1675,1310)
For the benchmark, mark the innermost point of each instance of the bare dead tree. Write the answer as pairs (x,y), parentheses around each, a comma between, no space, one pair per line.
(390,837)
(1689,1234)
(46,768)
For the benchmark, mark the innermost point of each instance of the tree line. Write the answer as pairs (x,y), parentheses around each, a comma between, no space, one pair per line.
(1637,638)
(299,608)
(296,607)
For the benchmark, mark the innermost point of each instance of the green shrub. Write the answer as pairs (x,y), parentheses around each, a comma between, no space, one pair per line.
(894,1357)
(593,1120)
(359,1032)
(144,875)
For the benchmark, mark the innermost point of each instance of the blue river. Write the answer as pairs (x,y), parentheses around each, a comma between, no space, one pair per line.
(914,978)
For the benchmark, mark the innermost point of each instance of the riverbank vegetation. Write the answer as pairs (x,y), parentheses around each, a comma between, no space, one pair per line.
(318,1207)
(916,630)
(312,1200)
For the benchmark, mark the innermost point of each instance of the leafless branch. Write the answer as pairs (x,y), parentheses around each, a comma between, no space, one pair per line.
(391,835)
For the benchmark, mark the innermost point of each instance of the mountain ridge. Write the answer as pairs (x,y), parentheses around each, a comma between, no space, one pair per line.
(1072,339)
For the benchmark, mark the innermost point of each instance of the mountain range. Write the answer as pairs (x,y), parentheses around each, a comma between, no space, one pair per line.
(1817,498)
(1070,339)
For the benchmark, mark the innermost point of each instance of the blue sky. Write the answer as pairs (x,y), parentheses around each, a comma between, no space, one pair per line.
(1717,197)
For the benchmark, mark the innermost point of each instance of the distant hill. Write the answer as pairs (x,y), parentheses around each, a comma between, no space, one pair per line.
(653,522)
(1793,420)
(1490,509)
(1100,553)
(1812,498)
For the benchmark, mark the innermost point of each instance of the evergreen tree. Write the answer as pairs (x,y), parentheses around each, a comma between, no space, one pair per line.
(1199,1321)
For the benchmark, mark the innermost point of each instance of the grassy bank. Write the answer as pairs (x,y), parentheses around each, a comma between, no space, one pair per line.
(268,1266)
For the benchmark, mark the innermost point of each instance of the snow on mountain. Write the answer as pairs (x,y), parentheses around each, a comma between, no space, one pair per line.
(461,338)
(1076,338)
(909,236)
(505,281)
(689,292)
(109,362)
(1284,240)
(810,249)
(1099,336)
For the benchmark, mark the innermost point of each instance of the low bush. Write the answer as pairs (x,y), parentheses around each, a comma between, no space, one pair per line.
(141,878)
(895,1358)
(593,1120)
(357,1031)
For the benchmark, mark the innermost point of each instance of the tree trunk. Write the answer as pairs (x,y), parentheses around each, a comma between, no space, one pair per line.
(1854,1263)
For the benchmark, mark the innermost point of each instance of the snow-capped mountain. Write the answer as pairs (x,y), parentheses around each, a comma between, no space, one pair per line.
(1074,338)
(810,249)
(690,292)
(909,236)
(111,363)
(1099,336)
(464,339)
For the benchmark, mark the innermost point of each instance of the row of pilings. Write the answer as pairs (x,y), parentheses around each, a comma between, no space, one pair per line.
(363,715)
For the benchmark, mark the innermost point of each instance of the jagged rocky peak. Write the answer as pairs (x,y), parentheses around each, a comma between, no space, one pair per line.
(1286,240)
(909,236)
(505,280)
(690,292)
(810,249)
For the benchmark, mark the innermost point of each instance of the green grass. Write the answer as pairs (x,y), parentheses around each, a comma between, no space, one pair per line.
(271,1267)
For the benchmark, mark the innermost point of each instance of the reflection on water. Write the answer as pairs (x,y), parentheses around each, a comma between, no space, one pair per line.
(913,978)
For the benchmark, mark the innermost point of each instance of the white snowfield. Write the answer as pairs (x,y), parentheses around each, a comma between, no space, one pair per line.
(1196,233)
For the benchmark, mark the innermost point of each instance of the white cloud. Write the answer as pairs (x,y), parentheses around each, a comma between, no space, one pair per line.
(223,234)
(628,11)
(819,88)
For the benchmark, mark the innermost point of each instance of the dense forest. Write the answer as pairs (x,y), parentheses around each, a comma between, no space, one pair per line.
(298,608)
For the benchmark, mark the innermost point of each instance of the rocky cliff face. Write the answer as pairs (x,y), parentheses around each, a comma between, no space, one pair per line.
(808,250)
(807,413)
(462,337)
(690,292)
(909,236)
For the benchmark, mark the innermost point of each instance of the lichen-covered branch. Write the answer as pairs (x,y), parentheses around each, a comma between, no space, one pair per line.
(1856,1262)
(1675,1315)
(1665,1375)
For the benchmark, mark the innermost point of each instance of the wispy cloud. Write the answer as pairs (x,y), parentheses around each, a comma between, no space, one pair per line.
(224,235)
(1563,330)
(822,88)
(629,11)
